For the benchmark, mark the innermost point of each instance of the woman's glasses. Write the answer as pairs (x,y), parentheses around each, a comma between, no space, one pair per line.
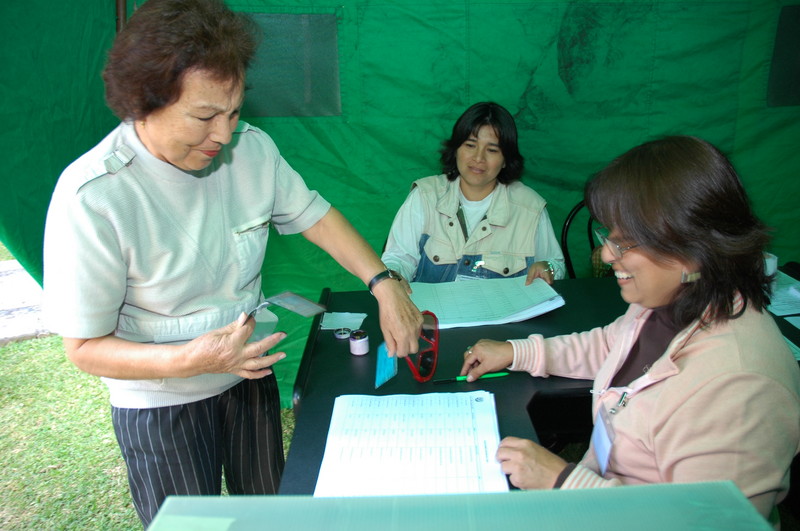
(611,245)
(423,363)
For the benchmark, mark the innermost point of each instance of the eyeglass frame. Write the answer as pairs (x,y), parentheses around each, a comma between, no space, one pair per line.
(614,247)
(434,347)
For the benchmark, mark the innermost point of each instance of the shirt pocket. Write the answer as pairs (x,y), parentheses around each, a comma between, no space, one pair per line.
(250,241)
(506,264)
(440,252)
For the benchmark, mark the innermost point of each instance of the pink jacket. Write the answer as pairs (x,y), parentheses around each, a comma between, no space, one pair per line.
(722,403)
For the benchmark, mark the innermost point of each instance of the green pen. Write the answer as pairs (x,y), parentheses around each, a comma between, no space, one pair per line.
(464,378)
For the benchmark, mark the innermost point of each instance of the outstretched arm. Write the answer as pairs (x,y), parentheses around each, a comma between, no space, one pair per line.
(400,319)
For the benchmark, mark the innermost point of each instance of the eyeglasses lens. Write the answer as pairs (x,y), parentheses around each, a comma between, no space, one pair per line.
(613,248)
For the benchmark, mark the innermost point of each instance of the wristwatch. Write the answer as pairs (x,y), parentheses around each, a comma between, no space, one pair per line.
(383,275)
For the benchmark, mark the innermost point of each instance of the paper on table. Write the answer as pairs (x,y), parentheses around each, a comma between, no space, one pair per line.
(334,320)
(785,295)
(436,443)
(485,301)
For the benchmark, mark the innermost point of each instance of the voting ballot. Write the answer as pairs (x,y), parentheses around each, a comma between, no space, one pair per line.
(436,443)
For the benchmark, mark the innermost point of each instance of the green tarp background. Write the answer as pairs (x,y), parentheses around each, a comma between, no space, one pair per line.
(585,81)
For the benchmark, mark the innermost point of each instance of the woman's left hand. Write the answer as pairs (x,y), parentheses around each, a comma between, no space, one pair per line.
(528,465)
(541,270)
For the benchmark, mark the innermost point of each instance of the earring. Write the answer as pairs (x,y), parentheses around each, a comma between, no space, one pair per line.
(688,278)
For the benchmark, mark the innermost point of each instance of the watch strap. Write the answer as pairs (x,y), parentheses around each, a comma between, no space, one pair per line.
(383,275)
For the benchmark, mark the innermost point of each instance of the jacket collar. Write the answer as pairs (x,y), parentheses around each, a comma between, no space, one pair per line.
(499,210)
(666,365)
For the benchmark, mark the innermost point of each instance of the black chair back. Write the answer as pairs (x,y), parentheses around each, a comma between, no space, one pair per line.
(565,232)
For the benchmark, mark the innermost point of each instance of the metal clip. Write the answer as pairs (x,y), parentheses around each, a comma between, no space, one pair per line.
(119,159)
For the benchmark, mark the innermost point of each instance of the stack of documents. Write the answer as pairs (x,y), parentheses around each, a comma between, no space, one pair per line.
(786,302)
(485,301)
(436,443)
(785,295)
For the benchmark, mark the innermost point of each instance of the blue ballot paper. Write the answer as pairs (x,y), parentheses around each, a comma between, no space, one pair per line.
(387,366)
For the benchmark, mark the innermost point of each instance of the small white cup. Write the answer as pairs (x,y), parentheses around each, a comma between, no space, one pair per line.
(359,342)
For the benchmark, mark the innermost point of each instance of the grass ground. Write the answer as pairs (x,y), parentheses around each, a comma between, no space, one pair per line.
(60,466)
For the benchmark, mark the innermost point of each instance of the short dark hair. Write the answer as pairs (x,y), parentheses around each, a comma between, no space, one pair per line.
(679,197)
(166,38)
(478,115)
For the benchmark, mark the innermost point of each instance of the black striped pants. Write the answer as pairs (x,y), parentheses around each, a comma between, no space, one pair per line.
(184,449)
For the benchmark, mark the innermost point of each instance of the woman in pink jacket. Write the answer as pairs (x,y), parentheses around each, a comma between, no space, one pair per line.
(695,381)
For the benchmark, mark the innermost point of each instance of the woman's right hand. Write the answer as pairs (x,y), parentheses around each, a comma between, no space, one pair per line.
(226,350)
(486,356)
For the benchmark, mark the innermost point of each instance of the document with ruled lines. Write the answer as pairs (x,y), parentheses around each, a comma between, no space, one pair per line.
(785,295)
(487,301)
(436,443)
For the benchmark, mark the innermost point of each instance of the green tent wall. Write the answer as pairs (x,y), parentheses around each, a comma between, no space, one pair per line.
(585,81)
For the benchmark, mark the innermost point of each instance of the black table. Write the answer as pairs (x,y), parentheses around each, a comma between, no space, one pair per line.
(328,370)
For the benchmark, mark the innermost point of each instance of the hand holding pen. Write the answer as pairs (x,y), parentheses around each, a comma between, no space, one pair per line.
(464,378)
(486,356)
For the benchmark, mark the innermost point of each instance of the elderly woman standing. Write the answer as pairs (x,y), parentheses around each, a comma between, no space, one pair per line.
(154,245)
(695,382)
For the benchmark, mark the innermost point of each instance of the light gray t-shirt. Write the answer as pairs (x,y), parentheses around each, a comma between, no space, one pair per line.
(137,247)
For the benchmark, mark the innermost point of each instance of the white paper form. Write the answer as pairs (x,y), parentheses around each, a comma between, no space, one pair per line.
(332,321)
(485,301)
(436,443)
